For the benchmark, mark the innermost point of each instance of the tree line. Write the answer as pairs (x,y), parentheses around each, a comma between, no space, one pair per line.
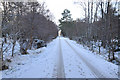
(25,21)
(100,24)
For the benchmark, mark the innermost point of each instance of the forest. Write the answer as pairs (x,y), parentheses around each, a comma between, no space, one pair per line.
(29,27)
(23,22)
(99,28)
(59,39)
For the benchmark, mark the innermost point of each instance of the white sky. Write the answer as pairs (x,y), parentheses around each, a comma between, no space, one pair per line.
(57,6)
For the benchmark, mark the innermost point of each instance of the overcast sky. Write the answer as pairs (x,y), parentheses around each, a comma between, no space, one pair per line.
(57,7)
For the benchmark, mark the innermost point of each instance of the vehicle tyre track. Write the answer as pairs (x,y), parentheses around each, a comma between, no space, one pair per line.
(60,64)
(95,72)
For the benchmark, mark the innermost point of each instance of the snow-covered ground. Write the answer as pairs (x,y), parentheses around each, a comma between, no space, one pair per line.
(105,68)
(103,52)
(38,62)
(0,75)
(44,62)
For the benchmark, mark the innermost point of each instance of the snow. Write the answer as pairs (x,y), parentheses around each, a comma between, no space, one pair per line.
(109,70)
(74,67)
(0,75)
(0,59)
(7,49)
(38,61)
(43,62)
(104,52)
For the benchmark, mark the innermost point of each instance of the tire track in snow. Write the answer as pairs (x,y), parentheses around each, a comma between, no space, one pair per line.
(95,72)
(59,67)
(60,70)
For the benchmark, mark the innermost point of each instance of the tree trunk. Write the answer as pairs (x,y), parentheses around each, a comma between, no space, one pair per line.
(96,10)
(113,55)
(109,54)
(99,49)
(5,39)
(14,42)
(31,43)
(91,27)
(102,9)
(88,21)
(1,43)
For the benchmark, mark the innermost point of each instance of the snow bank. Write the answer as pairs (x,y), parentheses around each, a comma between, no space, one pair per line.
(103,52)
(39,63)
(0,42)
(109,70)
(0,75)
(7,49)
(36,50)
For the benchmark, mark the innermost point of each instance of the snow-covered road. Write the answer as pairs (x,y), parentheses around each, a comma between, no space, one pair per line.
(63,58)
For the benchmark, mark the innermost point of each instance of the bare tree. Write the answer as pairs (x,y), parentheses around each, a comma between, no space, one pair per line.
(96,11)
(1,51)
